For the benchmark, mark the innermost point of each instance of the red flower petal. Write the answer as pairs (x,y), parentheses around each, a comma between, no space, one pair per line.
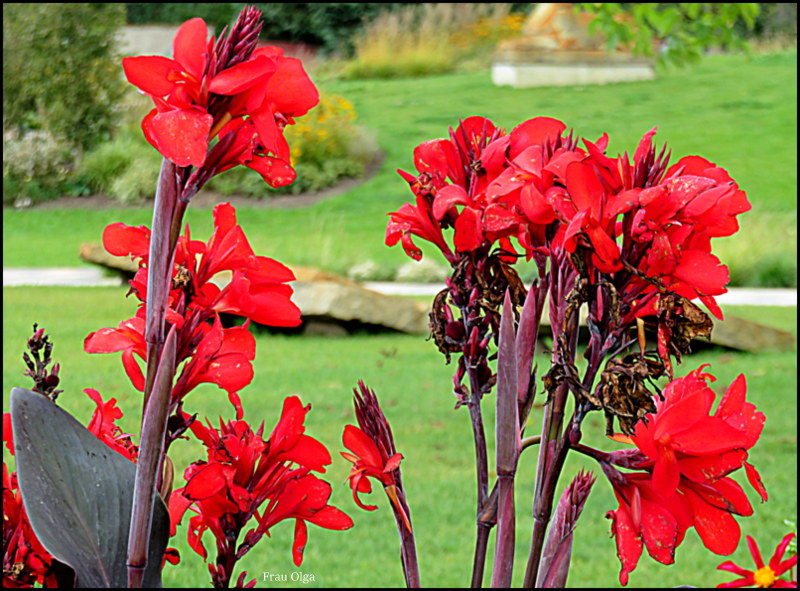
(536,131)
(182,135)
(702,271)
(242,76)
(150,73)
(468,230)
(330,517)
(276,172)
(300,541)
(308,452)
(189,47)
(290,89)
(361,445)
(447,197)
(206,482)
(122,240)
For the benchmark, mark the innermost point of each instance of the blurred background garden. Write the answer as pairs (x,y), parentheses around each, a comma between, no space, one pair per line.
(390,75)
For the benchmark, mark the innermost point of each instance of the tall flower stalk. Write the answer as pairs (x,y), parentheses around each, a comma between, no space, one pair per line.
(216,105)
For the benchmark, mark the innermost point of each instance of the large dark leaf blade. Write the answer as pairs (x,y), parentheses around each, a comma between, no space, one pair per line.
(78,494)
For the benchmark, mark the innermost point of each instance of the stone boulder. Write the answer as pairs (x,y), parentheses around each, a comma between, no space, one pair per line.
(329,304)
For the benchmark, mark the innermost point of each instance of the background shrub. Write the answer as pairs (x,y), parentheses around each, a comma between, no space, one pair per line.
(36,166)
(60,71)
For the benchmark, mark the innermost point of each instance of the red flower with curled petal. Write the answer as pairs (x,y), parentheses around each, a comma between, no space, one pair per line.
(765,575)
(367,462)
(374,454)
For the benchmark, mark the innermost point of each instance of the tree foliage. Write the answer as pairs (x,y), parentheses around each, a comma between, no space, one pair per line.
(60,73)
(674,33)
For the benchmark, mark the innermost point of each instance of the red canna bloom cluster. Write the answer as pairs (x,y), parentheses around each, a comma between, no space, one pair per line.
(688,454)
(225,91)
(247,476)
(765,575)
(25,561)
(257,290)
(645,223)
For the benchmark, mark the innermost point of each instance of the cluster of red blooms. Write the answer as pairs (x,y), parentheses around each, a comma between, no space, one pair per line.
(638,230)
(25,561)
(537,185)
(687,454)
(229,91)
(257,290)
(245,472)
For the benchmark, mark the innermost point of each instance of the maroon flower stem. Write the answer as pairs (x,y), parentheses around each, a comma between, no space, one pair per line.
(154,425)
(482,470)
(159,270)
(482,536)
(408,547)
(168,213)
(507,437)
(481,455)
(554,444)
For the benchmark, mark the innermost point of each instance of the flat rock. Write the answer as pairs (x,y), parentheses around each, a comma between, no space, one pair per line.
(323,298)
(326,300)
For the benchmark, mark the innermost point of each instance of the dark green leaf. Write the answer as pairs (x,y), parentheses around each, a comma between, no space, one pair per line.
(78,494)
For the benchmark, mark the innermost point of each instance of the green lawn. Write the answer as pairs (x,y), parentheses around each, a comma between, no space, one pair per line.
(737,111)
(413,384)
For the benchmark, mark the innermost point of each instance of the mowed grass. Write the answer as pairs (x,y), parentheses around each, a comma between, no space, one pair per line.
(413,384)
(738,112)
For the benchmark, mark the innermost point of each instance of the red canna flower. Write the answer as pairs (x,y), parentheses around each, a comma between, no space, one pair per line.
(25,561)
(373,453)
(248,477)
(227,90)
(367,462)
(688,454)
(683,439)
(470,159)
(213,354)
(765,575)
